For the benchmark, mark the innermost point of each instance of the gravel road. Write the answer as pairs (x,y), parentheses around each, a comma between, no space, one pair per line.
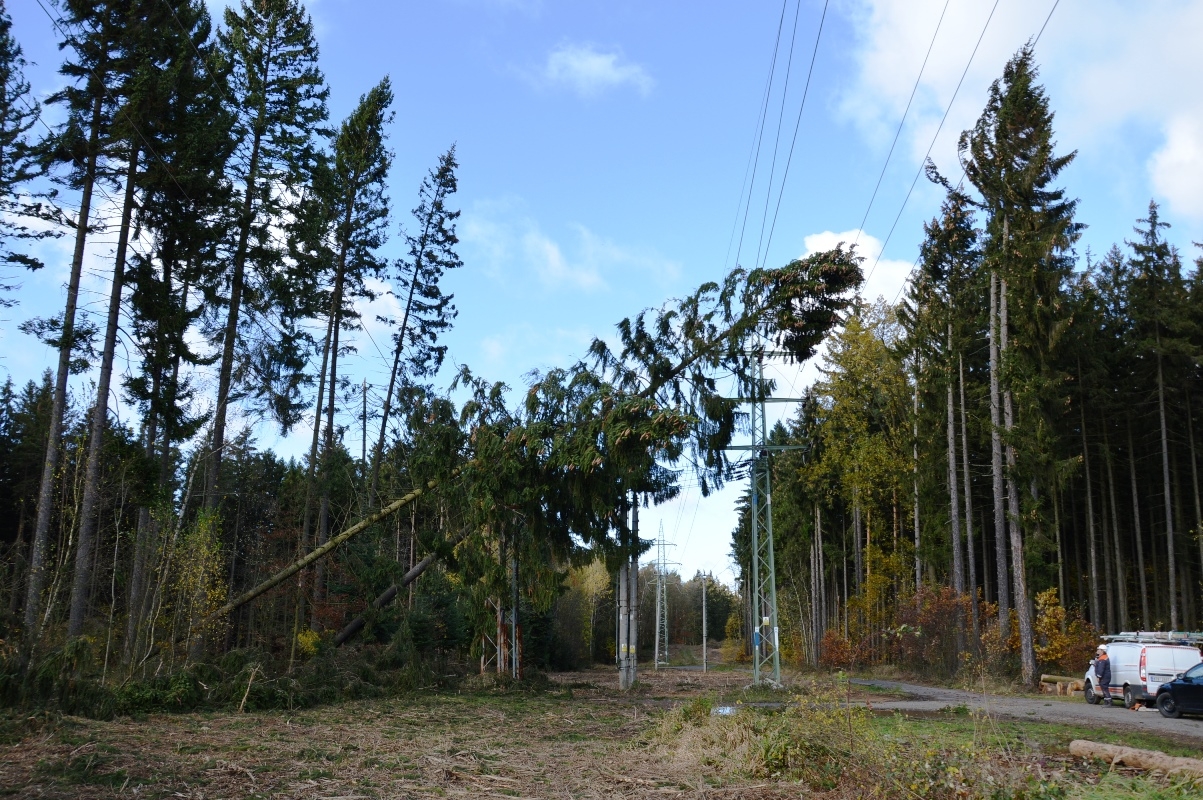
(1076,712)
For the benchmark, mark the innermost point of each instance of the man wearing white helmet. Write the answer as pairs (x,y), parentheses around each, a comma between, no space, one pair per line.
(1102,673)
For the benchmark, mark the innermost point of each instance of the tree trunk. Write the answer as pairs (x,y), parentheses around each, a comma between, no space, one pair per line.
(321,552)
(1060,548)
(1145,619)
(1108,587)
(336,307)
(1171,570)
(954,501)
(81,587)
(311,467)
(35,578)
(390,594)
(973,611)
(1023,608)
(1194,477)
(857,551)
(915,476)
(226,371)
(1121,583)
(1092,546)
(996,471)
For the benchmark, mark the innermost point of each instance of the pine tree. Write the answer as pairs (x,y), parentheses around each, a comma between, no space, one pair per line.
(279,91)
(94,33)
(19,161)
(428,311)
(1009,157)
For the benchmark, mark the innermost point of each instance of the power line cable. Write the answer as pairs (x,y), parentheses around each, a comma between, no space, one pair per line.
(898,132)
(789,67)
(760,134)
(961,181)
(935,136)
(814,54)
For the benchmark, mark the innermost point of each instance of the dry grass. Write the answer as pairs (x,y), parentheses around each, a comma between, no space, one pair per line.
(579,738)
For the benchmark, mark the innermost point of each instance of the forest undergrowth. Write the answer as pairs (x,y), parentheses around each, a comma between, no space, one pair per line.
(67,680)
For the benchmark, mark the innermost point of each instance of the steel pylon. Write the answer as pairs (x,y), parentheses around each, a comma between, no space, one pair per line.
(766,640)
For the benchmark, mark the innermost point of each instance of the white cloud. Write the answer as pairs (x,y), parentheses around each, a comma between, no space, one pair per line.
(1176,169)
(589,71)
(555,270)
(1114,72)
(503,241)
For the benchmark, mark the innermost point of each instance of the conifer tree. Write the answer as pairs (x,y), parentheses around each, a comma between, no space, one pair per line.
(352,187)
(1158,299)
(1030,231)
(280,95)
(19,162)
(93,33)
(153,102)
(428,311)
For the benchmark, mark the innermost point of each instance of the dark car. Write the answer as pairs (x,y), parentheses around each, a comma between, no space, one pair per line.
(1183,695)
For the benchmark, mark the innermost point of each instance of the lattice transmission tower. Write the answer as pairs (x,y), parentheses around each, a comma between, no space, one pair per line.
(662,564)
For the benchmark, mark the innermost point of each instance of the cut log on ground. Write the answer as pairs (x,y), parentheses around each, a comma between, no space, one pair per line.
(1141,759)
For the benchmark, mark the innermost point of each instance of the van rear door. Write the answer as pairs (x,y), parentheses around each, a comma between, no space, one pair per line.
(1160,666)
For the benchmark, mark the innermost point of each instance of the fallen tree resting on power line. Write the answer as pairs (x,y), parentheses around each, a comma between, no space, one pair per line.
(356,625)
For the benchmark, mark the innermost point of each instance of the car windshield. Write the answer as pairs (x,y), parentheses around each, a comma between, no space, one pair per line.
(1195,672)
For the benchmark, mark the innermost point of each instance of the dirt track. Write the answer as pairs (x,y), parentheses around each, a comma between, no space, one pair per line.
(1073,711)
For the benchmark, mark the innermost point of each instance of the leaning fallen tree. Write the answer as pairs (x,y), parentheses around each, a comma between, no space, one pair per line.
(388,595)
(325,549)
(669,361)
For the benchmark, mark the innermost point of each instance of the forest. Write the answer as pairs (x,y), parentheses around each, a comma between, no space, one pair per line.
(994,467)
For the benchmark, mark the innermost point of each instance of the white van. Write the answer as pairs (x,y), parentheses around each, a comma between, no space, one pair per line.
(1140,663)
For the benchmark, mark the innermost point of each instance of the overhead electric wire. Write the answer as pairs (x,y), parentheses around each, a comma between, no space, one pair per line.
(961,181)
(935,136)
(814,54)
(898,132)
(760,132)
(789,67)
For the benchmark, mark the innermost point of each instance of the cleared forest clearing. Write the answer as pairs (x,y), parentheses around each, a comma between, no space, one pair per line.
(577,737)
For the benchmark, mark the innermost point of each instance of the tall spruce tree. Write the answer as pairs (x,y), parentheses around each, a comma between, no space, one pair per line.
(1030,231)
(281,96)
(428,310)
(352,186)
(158,33)
(19,161)
(94,35)
(1158,295)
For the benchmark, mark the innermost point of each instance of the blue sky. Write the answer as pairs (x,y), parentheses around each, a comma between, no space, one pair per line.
(604,149)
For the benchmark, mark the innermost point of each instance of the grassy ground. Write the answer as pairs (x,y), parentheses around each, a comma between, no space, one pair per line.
(577,737)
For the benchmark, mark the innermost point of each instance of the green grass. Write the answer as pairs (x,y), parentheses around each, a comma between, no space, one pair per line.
(1117,787)
(93,769)
(960,730)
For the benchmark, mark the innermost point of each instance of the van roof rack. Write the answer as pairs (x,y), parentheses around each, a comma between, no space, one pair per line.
(1162,637)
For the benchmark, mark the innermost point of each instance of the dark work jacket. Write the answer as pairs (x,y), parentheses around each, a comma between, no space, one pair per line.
(1102,671)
